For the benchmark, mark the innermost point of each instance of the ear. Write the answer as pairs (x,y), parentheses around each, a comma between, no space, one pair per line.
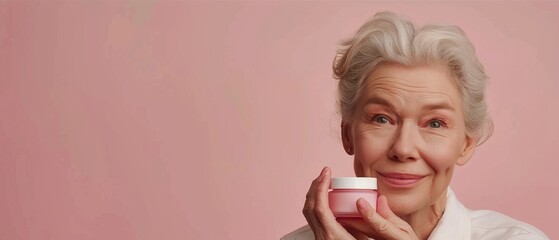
(467,152)
(347,138)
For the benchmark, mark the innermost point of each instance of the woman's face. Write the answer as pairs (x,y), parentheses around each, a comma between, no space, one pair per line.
(408,131)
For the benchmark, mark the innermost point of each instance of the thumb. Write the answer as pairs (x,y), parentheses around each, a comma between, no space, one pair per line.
(384,210)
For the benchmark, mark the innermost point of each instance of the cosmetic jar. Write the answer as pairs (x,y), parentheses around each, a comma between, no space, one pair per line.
(345,192)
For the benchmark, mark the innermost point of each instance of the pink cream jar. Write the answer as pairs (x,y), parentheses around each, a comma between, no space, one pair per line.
(345,192)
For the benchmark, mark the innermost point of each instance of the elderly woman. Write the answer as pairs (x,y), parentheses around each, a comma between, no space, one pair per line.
(413,107)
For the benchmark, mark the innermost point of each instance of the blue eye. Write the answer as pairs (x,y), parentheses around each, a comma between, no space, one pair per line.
(435,124)
(380,119)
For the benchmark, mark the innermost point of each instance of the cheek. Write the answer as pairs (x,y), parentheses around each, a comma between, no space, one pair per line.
(370,148)
(441,157)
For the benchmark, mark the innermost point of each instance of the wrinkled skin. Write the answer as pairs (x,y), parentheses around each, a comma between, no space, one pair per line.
(408,131)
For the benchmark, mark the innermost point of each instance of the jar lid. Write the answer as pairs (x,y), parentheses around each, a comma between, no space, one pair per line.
(353,183)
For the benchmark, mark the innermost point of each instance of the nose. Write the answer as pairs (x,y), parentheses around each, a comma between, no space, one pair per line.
(404,144)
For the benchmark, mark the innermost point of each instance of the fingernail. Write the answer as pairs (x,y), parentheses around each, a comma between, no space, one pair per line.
(362,204)
(323,173)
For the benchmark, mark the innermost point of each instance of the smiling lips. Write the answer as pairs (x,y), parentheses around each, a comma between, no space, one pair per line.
(400,179)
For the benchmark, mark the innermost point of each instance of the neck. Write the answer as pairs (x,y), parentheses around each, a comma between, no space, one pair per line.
(425,220)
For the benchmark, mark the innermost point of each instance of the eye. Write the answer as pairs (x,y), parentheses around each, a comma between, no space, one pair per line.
(381,119)
(436,123)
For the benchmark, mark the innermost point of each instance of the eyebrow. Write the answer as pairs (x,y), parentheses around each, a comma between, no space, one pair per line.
(428,107)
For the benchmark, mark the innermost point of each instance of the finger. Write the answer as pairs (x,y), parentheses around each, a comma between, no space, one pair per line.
(384,210)
(311,194)
(395,228)
(322,209)
(360,225)
(356,234)
(318,213)
(381,226)
(310,203)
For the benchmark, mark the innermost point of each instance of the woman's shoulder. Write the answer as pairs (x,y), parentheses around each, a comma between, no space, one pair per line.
(487,224)
(302,233)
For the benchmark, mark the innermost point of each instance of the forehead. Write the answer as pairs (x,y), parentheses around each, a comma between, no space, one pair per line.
(412,85)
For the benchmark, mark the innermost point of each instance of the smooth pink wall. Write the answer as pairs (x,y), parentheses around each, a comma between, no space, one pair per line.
(174,120)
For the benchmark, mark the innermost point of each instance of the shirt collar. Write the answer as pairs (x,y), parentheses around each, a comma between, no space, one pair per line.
(455,222)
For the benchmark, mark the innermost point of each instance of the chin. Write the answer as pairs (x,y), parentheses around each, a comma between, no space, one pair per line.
(402,206)
(403,203)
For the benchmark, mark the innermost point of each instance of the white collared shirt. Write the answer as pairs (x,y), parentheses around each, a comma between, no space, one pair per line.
(458,222)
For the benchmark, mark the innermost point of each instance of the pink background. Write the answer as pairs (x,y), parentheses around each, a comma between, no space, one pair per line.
(174,120)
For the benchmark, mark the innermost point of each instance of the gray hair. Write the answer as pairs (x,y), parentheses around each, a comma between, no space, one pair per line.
(388,37)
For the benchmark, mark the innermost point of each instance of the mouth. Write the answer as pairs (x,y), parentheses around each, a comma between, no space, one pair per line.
(400,180)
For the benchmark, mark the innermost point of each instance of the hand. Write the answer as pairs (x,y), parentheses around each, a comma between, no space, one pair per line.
(382,225)
(318,213)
